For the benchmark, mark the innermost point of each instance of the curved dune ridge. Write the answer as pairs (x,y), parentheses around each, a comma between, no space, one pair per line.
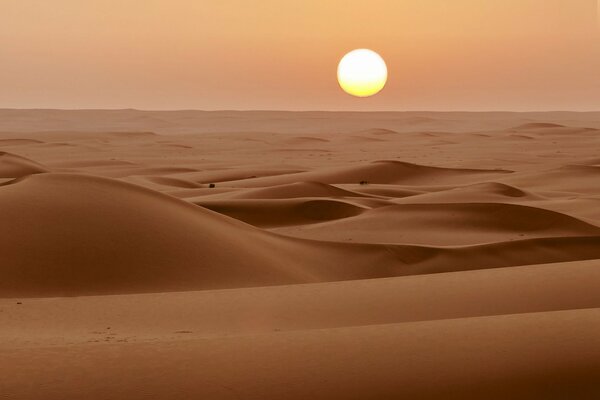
(91,163)
(14,166)
(295,190)
(390,191)
(19,142)
(500,189)
(301,140)
(172,182)
(567,178)
(538,125)
(228,175)
(447,224)
(479,192)
(379,131)
(386,172)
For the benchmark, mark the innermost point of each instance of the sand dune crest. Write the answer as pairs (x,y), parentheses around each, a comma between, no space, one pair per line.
(14,166)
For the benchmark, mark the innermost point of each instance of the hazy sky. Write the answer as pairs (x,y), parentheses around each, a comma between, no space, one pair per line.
(278,54)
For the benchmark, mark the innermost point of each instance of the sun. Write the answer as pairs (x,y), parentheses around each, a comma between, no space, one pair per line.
(362,73)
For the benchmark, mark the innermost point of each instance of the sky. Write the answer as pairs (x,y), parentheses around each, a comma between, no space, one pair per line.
(282,55)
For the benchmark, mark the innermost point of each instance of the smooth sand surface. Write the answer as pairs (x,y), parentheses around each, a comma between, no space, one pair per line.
(267,255)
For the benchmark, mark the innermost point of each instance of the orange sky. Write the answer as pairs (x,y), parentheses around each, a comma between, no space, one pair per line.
(278,54)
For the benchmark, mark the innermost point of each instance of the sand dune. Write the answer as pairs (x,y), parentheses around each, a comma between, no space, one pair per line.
(481,192)
(141,317)
(69,234)
(189,121)
(301,140)
(14,166)
(397,191)
(378,132)
(587,207)
(172,182)
(551,355)
(541,128)
(425,259)
(18,142)
(447,224)
(264,255)
(228,175)
(272,213)
(568,178)
(538,125)
(99,163)
(386,172)
(102,236)
(295,190)
(66,134)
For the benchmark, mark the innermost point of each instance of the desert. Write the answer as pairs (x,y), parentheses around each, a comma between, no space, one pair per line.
(322,255)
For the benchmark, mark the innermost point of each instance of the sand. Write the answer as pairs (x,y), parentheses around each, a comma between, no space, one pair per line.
(270,255)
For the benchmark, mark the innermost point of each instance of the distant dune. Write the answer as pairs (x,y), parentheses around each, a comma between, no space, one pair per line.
(279,255)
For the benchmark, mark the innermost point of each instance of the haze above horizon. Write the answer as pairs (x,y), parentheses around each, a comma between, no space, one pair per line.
(465,55)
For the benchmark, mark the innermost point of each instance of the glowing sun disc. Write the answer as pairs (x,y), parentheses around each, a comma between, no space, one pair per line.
(362,73)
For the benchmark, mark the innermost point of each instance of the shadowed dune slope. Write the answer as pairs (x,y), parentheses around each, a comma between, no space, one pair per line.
(282,212)
(14,166)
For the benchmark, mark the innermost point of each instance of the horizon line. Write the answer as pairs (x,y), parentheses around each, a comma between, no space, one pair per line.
(295,111)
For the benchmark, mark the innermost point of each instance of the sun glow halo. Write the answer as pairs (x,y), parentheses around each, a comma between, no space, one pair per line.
(362,73)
